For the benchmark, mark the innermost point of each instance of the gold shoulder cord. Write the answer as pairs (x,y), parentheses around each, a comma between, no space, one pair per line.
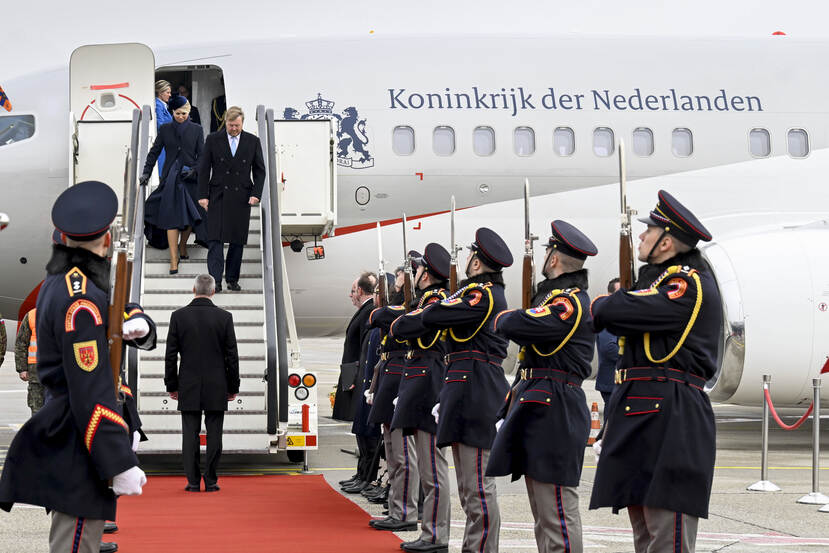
(488,313)
(687,331)
(572,330)
(437,333)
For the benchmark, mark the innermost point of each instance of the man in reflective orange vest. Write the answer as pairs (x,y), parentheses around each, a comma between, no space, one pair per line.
(25,360)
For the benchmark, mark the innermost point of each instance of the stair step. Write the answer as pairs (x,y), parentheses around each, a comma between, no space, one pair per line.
(170,421)
(183,282)
(249,383)
(257,315)
(162,268)
(232,442)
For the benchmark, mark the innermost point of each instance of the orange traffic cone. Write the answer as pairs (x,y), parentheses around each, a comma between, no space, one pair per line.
(595,426)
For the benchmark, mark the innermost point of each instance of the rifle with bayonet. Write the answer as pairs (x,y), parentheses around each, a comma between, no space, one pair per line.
(382,283)
(408,286)
(626,264)
(121,276)
(528,270)
(453,251)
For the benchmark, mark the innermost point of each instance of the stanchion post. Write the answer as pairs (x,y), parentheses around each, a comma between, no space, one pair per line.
(305,463)
(815,497)
(764,485)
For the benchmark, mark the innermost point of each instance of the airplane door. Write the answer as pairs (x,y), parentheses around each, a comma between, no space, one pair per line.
(106,83)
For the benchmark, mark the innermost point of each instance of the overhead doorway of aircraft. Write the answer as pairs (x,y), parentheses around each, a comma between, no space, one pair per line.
(204,87)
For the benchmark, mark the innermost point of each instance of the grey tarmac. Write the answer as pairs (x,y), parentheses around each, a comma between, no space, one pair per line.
(740,521)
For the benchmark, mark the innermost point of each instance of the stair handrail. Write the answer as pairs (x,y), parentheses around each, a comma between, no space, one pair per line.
(271,354)
(139,145)
(278,282)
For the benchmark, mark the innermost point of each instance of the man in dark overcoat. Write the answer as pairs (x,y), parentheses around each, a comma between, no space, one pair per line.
(418,393)
(205,380)
(356,336)
(657,454)
(74,456)
(474,386)
(547,423)
(231,179)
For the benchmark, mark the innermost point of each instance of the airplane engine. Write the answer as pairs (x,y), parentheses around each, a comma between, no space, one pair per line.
(775,297)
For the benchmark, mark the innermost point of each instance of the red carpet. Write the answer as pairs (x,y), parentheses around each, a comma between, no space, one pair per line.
(250,514)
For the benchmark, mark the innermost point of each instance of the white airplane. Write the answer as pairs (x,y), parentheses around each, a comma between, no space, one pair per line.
(736,129)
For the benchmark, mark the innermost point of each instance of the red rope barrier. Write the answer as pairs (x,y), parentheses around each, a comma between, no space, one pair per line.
(779,422)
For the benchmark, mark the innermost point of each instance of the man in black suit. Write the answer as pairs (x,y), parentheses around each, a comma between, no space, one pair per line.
(231,178)
(207,378)
(356,336)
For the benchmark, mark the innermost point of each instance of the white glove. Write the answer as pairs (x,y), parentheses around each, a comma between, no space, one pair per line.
(597,449)
(394,402)
(129,482)
(436,412)
(498,424)
(369,397)
(136,439)
(137,327)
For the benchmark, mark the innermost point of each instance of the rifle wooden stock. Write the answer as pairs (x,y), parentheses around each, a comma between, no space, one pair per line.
(408,298)
(115,326)
(527,282)
(382,291)
(625,261)
(453,278)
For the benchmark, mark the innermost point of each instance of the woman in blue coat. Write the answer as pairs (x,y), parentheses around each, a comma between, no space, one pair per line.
(171,206)
(162,113)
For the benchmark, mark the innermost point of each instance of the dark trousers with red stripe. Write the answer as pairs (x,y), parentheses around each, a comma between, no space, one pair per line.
(478,498)
(662,531)
(556,514)
(69,534)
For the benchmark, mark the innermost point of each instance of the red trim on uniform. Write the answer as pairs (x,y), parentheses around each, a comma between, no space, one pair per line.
(534,401)
(675,212)
(641,412)
(477,299)
(101,412)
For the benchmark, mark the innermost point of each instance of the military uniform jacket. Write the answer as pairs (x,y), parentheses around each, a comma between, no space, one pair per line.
(361,426)
(659,439)
(424,370)
(474,385)
(548,423)
(64,455)
(229,182)
(392,364)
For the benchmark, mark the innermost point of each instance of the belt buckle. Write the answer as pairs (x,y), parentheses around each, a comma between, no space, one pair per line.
(620,376)
(523,374)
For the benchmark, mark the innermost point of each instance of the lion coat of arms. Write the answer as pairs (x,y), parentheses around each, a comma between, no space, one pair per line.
(352,140)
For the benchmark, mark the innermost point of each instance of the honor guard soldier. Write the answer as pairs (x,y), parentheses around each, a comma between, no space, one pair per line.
(404,483)
(474,386)
(657,454)
(64,456)
(419,389)
(547,423)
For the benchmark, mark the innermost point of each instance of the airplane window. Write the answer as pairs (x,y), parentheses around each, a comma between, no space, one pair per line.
(402,140)
(643,141)
(798,143)
(603,144)
(524,141)
(483,141)
(564,141)
(443,141)
(682,142)
(759,142)
(14,128)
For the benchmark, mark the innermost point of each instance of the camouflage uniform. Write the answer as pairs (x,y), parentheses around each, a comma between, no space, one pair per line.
(36,393)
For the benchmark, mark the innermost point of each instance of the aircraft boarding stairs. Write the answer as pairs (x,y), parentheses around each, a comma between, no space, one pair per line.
(270,413)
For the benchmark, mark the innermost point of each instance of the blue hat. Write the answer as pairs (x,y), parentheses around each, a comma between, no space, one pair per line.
(176,102)
(85,211)
(677,220)
(57,237)
(491,249)
(415,258)
(570,240)
(436,260)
